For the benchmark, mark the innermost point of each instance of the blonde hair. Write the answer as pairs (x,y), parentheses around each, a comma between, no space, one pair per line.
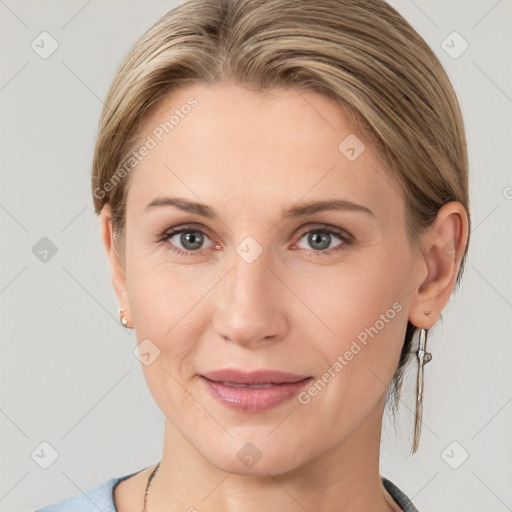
(362,54)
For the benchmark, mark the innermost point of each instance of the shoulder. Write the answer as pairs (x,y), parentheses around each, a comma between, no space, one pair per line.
(399,496)
(96,498)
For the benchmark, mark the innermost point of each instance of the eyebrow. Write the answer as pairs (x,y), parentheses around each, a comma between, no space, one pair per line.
(302,210)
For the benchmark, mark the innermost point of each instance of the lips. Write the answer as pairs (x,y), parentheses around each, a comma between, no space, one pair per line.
(255,391)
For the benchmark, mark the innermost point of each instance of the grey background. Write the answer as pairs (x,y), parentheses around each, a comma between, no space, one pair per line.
(68,373)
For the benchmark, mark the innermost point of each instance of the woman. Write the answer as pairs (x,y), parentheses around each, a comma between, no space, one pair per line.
(283,195)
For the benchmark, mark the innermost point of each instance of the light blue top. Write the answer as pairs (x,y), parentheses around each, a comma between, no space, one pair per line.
(101,498)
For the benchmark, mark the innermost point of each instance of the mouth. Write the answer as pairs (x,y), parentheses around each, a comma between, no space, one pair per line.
(256,391)
(250,386)
(253,377)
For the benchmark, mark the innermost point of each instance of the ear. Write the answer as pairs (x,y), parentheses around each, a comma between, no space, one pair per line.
(116,263)
(443,246)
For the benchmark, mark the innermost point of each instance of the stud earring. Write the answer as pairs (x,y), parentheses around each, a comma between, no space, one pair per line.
(123,319)
(423,358)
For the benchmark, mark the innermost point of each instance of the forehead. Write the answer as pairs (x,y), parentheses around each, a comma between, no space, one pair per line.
(222,142)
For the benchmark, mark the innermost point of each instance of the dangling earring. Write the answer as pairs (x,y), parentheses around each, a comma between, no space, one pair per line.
(423,358)
(123,319)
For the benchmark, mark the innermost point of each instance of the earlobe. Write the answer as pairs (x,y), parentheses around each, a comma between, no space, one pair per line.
(443,245)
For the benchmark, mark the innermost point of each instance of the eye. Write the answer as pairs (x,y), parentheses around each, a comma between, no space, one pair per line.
(185,240)
(321,238)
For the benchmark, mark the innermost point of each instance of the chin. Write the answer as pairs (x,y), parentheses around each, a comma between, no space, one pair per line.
(255,458)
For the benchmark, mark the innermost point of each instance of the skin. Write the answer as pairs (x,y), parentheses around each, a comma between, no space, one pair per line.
(248,156)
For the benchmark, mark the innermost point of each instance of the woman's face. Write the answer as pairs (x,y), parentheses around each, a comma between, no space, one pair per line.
(274,283)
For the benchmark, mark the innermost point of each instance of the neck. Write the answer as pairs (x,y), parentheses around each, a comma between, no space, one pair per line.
(345,478)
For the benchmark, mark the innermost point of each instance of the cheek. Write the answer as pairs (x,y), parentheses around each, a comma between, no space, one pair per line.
(345,299)
(163,296)
(170,319)
(171,308)
(357,363)
(369,326)
(362,318)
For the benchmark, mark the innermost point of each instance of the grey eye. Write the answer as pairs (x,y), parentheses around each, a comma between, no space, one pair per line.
(320,240)
(188,239)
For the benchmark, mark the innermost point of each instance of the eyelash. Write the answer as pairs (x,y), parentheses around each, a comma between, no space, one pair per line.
(345,237)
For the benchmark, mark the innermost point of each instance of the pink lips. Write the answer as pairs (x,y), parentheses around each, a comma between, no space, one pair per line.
(254,391)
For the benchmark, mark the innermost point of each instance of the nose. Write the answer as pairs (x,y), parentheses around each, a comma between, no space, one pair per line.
(251,304)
